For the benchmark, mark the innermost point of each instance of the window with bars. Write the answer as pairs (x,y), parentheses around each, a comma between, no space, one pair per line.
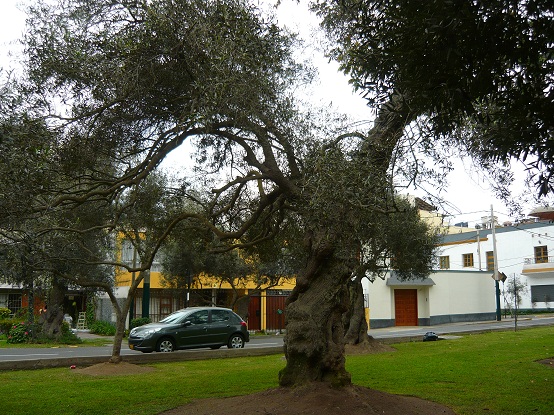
(467,260)
(541,254)
(14,303)
(444,262)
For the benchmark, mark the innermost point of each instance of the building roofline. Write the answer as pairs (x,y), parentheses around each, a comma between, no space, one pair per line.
(471,236)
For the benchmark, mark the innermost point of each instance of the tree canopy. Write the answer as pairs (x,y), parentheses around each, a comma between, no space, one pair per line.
(489,64)
(120,85)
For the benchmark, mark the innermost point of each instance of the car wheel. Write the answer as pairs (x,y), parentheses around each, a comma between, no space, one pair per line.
(166,345)
(236,342)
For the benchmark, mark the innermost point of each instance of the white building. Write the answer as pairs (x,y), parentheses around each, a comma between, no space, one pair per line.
(463,288)
(522,251)
(443,297)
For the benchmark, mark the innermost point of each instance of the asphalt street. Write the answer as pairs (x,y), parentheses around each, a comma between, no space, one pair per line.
(29,358)
(32,353)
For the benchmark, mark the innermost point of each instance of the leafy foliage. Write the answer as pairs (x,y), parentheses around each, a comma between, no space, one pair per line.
(489,61)
(4,312)
(7,323)
(103,328)
(66,336)
(20,333)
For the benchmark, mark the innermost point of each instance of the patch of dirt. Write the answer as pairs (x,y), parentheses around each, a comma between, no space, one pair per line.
(314,399)
(369,346)
(114,369)
(547,362)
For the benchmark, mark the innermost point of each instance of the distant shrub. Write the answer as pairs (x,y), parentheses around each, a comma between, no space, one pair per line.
(20,333)
(136,322)
(4,313)
(68,337)
(7,323)
(103,328)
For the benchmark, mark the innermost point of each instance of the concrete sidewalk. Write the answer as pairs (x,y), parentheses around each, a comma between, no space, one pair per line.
(415,333)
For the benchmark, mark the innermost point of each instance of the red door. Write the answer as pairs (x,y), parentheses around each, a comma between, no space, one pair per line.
(254,313)
(275,318)
(405,305)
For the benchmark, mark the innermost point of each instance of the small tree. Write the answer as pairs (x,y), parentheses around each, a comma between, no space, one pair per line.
(514,291)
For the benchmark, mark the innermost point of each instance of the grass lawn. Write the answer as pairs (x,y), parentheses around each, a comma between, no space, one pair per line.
(492,373)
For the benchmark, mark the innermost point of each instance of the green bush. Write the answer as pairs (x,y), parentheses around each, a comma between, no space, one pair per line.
(7,323)
(4,313)
(20,333)
(68,337)
(103,328)
(136,322)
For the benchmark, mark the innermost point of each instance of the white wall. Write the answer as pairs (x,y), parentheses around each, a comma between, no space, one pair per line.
(461,292)
(456,296)
(513,245)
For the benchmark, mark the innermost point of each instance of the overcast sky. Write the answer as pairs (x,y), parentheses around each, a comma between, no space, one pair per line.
(469,195)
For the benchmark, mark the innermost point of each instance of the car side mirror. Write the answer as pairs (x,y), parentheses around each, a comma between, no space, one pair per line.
(187,323)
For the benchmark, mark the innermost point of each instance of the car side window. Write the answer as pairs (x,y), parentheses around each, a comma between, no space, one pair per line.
(200,317)
(219,316)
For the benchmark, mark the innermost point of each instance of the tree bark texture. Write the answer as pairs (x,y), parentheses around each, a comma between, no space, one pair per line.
(53,318)
(355,324)
(314,340)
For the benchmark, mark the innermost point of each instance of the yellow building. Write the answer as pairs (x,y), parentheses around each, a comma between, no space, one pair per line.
(262,305)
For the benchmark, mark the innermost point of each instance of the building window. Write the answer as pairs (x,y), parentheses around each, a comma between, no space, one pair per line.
(541,254)
(467,260)
(444,262)
(490,261)
(14,303)
(542,294)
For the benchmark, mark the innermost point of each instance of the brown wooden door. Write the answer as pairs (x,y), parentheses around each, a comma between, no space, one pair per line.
(254,313)
(275,309)
(405,305)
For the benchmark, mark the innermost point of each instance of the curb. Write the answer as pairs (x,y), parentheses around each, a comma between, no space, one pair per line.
(143,358)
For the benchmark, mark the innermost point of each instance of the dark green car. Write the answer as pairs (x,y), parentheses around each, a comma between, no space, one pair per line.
(190,328)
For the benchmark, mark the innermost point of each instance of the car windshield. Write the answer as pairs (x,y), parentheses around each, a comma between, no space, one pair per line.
(174,318)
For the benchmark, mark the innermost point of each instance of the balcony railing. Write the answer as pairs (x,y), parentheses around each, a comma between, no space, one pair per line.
(538,260)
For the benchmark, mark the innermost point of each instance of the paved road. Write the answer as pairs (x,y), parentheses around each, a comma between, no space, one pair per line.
(31,353)
(258,345)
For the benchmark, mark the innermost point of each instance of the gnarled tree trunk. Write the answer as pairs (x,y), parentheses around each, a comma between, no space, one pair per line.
(355,324)
(314,340)
(53,318)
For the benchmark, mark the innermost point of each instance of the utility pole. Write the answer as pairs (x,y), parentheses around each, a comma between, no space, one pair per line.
(146,295)
(479,250)
(516,296)
(496,274)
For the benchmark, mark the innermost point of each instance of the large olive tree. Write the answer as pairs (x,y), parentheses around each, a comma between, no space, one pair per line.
(125,83)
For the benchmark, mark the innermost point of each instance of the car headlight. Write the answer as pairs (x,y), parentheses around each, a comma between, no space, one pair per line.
(144,333)
(150,332)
